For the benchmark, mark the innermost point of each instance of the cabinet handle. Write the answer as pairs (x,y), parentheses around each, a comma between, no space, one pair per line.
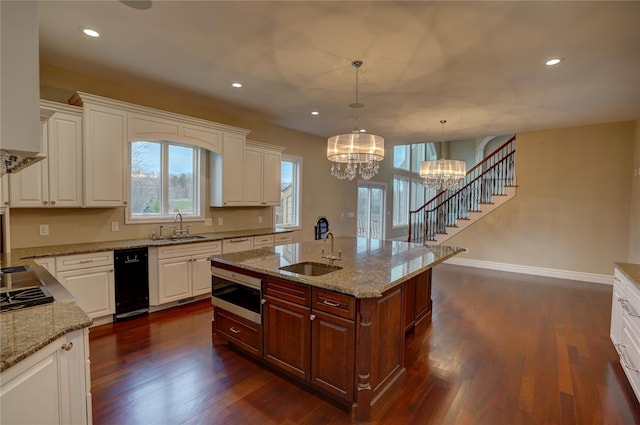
(312,317)
(124,203)
(85,261)
(234,330)
(626,308)
(68,346)
(53,202)
(623,360)
(238,240)
(330,304)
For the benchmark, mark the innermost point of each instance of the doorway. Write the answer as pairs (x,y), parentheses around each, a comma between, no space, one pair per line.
(371,210)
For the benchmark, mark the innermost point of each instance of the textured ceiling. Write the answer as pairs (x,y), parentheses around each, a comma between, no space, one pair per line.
(480,65)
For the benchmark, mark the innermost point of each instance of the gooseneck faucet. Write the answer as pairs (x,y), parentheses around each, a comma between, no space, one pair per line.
(331,257)
(178,231)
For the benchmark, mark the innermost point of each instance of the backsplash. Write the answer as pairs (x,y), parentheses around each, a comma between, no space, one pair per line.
(80,225)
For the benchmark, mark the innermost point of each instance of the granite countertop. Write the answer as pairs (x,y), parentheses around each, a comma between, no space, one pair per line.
(25,331)
(632,271)
(21,256)
(369,267)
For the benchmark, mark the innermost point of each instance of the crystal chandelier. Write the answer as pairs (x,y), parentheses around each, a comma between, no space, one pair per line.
(443,174)
(358,152)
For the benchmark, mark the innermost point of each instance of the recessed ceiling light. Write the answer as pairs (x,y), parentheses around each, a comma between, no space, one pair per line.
(553,61)
(315,113)
(91,33)
(236,85)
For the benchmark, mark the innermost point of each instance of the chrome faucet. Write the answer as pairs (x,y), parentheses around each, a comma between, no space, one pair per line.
(331,257)
(178,231)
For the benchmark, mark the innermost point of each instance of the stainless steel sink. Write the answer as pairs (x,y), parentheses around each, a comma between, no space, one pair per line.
(186,238)
(309,268)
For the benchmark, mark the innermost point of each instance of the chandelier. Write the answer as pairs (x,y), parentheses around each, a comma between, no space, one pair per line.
(443,174)
(358,152)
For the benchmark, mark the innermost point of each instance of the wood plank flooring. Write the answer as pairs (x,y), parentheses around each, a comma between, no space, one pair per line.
(502,348)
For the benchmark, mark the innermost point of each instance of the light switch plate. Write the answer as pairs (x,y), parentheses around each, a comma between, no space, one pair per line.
(219,221)
(44,230)
(115,226)
(208,222)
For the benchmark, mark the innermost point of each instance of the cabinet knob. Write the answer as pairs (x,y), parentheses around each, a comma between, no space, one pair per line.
(263,301)
(68,346)
(53,202)
(45,202)
(312,317)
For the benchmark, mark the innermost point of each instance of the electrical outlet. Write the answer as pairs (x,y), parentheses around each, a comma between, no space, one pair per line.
(208,222)
(259,219)
(219,221)
(115,226)
(44,230)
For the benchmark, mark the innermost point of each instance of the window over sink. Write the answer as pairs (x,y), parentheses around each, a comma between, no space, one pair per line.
(165,178)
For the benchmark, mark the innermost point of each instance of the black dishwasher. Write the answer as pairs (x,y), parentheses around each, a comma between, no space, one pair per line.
(132,282)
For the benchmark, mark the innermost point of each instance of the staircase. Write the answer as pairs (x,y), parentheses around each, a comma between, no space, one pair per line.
(486,186)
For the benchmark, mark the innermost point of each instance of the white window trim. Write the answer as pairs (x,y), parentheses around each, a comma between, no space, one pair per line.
(128,217)
(298,195)
(408,179)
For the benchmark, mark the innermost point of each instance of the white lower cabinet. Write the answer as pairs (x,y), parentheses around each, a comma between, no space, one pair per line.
(263,241)
(282,238)
(52,386)
(236,245)
(90,279)
(625,327)
(182,271)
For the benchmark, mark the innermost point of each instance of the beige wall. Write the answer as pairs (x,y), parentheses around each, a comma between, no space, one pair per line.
(321,193)
(634,218)
(572,208)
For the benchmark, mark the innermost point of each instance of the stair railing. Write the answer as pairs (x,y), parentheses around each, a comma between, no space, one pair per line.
(487,178)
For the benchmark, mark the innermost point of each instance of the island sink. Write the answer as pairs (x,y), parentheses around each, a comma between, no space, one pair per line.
(309,268)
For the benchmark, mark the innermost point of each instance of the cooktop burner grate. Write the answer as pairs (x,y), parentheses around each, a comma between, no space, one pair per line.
(24,297)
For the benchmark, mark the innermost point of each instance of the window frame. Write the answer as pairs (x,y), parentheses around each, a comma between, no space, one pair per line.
(297,194)
(199,183)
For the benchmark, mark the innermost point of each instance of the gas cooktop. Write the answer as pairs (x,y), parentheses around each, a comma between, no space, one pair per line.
(20,287)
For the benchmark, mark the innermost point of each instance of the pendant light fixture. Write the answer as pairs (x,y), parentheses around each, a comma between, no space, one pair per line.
(359,151)
(443,174)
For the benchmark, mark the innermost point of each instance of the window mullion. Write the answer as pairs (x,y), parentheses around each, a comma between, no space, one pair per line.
(164,193)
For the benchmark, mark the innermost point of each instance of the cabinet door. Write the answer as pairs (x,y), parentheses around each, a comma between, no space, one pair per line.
(174,276)
(201,274)
(423,294)
(105,133)
(409,294)
(271,178)
(75,385)
(92,288)
(29,186)
(65,160)
(36,380)
(332,348)
(287,329)
(233,169)
(253,176)
(616,309)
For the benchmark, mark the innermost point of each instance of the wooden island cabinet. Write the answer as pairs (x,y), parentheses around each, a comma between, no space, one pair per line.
(345,342)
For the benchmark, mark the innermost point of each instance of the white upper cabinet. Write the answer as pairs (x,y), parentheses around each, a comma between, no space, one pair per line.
(109,125)
(227,172)
(55,181)
(262,174)
(105,132)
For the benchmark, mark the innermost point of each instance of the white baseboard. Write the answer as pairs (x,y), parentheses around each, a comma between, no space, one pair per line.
(538,271)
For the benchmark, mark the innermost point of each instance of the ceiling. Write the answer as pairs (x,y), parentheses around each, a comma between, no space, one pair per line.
(479,65)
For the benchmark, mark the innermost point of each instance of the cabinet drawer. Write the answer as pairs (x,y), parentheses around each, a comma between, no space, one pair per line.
(260,241)
(236,245)
(337,304)
(83,261)
(287,291)
(190,249)
(247,335)
(629,351)
(282,238)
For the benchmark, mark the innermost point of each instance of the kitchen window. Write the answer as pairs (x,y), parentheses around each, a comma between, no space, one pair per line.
(166,178)
(287,214)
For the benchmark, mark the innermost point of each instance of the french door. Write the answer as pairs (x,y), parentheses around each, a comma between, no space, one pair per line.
(371,210)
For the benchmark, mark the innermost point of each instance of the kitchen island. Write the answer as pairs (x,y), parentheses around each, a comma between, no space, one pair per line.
(340,333)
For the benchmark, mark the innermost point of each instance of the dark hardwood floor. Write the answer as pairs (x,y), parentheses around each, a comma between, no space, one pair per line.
(502,348)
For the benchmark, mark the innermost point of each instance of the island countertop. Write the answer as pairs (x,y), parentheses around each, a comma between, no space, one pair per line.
(369,266)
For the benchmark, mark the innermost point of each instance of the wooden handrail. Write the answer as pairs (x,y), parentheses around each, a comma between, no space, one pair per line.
(476,189)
